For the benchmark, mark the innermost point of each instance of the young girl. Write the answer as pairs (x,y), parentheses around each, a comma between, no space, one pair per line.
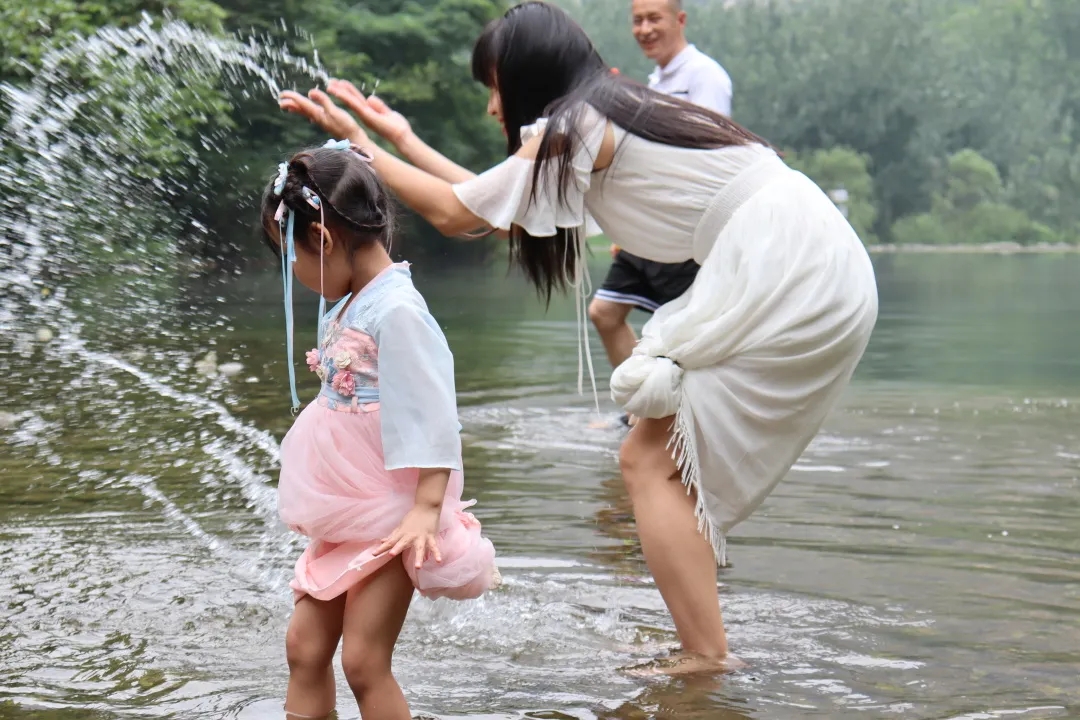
(370,471)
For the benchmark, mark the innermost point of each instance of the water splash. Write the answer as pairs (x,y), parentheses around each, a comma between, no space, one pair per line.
(103,154)
(101,165)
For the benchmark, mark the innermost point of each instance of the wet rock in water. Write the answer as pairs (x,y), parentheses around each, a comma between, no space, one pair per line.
(8,420)
(230,368)
(44,335)
(207,365)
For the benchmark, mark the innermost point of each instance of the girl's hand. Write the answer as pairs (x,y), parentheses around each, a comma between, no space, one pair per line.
(373,112)
(322,111)
(419,530)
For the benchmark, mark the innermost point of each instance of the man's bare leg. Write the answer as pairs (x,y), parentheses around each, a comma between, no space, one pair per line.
(610,320)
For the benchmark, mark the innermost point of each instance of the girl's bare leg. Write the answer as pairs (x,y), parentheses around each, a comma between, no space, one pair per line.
(374,614)
(679,557)
(310,644)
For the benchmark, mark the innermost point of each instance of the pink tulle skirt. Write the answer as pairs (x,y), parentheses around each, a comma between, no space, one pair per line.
(334,489)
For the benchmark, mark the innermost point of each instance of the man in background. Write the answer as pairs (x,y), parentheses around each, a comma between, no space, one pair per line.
(684,72)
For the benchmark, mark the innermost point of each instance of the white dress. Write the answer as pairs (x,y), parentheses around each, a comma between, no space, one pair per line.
(754,355)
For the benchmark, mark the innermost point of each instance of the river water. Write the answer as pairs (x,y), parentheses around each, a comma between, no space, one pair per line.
(920,561)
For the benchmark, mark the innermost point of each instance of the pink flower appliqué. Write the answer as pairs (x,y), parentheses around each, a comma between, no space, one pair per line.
(312,359)
(344,384)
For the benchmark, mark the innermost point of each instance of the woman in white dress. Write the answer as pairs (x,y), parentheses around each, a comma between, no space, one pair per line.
(732,380)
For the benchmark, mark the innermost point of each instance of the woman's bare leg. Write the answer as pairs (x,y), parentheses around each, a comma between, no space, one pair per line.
(374,614)
(310,643)
(679,557)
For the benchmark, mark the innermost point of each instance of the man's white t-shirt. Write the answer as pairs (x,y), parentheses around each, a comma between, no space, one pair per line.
(694,76)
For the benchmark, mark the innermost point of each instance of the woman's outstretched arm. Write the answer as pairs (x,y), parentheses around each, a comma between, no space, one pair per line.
(395,129)
(430,196)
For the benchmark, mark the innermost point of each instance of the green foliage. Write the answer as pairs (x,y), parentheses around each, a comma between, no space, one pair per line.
(971,180)
(418,52)
(969,210)
(29,28)
(1046,186)
(843,169)
(922,229)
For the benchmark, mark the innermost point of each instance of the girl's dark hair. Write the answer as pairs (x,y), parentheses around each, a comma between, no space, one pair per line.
(355,203)
(544,65)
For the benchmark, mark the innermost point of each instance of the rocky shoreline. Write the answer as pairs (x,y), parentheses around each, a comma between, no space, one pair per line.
(986,249)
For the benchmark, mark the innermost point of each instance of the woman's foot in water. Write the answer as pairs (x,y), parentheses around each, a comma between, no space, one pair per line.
(625,420)
(683,663)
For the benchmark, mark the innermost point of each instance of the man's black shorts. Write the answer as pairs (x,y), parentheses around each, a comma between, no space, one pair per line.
(645,284)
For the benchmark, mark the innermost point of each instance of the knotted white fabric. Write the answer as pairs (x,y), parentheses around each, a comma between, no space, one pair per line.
(648,384)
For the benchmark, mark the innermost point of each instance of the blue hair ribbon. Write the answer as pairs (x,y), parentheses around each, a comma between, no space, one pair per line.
(286,227)
(337,145)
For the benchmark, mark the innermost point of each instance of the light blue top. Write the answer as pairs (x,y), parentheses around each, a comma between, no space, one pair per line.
(397,355)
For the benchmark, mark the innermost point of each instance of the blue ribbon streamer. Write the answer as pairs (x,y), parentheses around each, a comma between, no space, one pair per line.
(288,257)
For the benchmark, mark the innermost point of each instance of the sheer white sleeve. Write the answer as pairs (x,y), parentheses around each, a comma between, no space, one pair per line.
(502,196)
(417,399)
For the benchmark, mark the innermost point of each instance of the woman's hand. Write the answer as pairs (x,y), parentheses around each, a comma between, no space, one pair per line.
(373,112)
(419,531)
(321,110)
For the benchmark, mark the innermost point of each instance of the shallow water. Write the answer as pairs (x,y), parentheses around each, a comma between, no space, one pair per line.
(919,562)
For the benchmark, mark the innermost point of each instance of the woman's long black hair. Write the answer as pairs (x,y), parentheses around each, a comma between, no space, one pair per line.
(544,65)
